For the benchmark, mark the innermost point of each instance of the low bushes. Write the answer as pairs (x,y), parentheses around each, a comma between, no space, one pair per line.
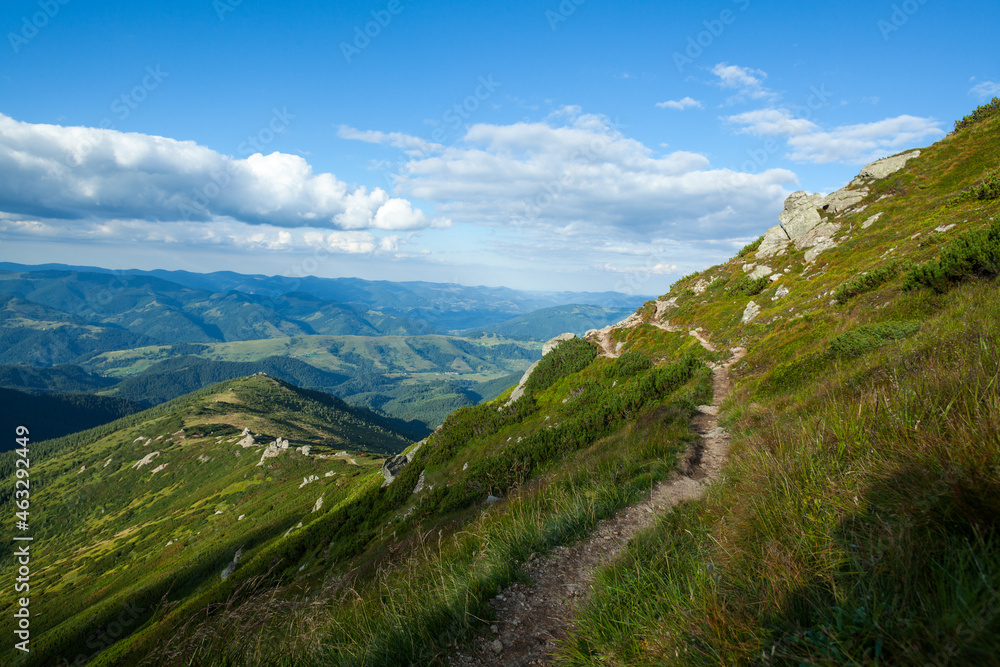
(973,254)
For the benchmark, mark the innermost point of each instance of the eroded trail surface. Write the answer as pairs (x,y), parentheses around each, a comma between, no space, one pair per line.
(531,619)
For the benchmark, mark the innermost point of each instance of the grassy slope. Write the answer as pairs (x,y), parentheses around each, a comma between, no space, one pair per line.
(858,520)
(110,536)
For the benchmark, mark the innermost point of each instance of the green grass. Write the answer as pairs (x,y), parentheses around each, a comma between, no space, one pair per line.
(871,533)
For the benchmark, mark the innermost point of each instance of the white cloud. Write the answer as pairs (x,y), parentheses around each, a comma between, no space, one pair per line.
(220,234)
(772,122)
(577,175)
(985,89)
(655,269)
(747,82)
(865,142)
(73,173)
(681,104)
(849,144)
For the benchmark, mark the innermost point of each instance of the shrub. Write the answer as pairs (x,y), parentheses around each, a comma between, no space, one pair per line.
(973,254)
(569,357)
(748,286)
(865,338)
(866,282)
(985,189)
(750,247)
(981,112)
(630,364)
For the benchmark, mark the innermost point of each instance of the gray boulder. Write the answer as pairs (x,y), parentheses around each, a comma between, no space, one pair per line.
(885,166)
(391,468)
(751,312)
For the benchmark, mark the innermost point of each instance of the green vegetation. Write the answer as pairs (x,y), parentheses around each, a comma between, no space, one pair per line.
(570,356)
(871,535)
(987,188)
(867,282)
(747,286)
(980,113)
(119,532)
(973,254)
(750,247)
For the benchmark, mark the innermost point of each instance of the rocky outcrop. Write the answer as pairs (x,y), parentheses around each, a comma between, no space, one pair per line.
(700,287)
(274,449)
(756,272)
(871,221)
(553,343)
(802,224)
(247,440)
(145,459)
(393,465)
(519,389)
(751,312)
(237,557)
(885,166)
(391,468)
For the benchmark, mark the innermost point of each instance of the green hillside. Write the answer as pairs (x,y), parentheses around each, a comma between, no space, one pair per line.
(151,508)
(851,519)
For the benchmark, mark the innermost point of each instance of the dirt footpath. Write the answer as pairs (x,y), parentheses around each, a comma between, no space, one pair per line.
(530,619)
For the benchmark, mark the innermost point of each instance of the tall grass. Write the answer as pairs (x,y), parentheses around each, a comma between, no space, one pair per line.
(859,525)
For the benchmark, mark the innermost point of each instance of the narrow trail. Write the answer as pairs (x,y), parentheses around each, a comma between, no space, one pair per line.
(531,619)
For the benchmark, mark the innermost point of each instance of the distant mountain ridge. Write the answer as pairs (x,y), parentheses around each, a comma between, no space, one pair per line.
(443,306)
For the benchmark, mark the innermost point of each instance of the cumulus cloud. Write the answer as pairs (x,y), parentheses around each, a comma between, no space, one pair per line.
(680,104)
(576,173)
(75,173)
(849,144)
(985,89)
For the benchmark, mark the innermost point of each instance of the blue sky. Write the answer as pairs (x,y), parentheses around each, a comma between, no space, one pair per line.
(581,144)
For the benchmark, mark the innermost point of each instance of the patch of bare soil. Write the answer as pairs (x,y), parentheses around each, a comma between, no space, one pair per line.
(531,619)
